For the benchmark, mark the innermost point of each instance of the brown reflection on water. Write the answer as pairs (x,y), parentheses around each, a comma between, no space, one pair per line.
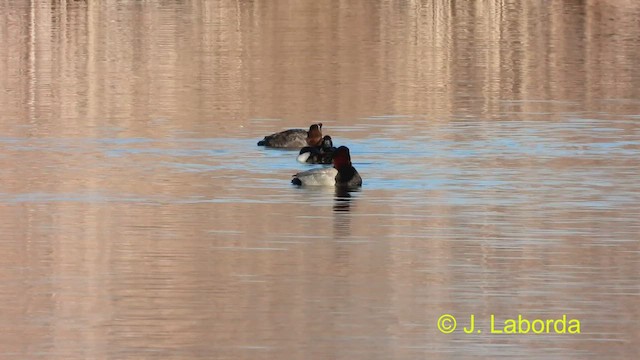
(139,220)
(134,65)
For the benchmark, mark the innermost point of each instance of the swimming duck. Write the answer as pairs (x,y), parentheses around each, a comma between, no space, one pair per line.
(318,155)
(342,174)
(294,138)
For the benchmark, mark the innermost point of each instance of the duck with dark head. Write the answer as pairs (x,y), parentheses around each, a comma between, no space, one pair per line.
(322,154)
(294,138)
(342,174)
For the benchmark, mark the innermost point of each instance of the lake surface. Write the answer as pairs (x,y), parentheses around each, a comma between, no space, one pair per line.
(499,142)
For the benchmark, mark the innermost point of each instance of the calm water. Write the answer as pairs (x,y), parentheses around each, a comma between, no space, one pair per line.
(499,143)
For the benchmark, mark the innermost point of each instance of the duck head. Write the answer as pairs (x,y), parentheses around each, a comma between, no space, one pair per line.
(327,143)
(314,135)
(341,157)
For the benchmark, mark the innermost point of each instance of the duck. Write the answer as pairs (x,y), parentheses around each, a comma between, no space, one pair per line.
(318,155)
(294,138)
(342,174)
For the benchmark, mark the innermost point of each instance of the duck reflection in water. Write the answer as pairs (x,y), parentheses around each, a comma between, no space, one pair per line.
(343,199)
(341,212)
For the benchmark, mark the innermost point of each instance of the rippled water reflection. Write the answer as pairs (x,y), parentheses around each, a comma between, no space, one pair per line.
(499,145)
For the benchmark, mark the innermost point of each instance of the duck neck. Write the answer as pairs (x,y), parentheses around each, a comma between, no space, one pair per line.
(343,167)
